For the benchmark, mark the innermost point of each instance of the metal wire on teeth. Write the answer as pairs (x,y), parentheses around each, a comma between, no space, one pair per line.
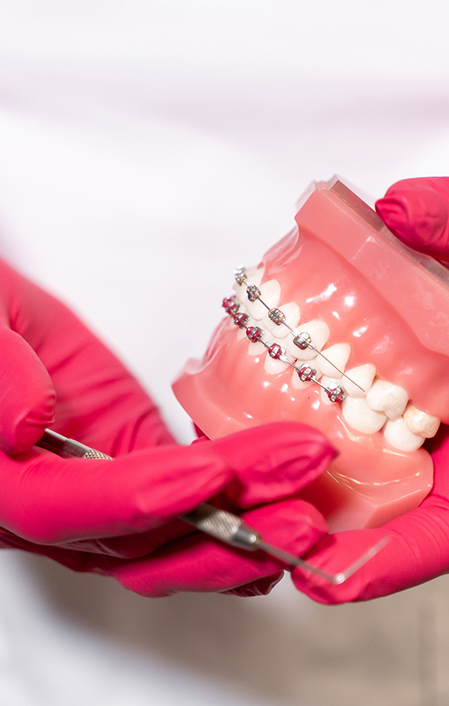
(255,334)
(302,340)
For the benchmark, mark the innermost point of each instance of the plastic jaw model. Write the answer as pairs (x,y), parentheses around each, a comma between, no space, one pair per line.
(344,328)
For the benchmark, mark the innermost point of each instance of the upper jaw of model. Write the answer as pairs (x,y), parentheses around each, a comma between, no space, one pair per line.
(341,328)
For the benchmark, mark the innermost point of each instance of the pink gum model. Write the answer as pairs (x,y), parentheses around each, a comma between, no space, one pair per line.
(384,311)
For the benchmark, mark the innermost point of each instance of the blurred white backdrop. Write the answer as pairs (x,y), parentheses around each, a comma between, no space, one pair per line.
(146,148)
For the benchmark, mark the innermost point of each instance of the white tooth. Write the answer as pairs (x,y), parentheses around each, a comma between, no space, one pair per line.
(330,383)
(292,314)
(386,397)
(270,292)
(399,435)
(273,366)
(363,375)
(338,355)
(421,423)
(361,417)
(256,348)
(319,333)
(298,384)
(254,276)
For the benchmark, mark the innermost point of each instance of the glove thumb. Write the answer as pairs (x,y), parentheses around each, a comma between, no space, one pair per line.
(27,396)
(416,211)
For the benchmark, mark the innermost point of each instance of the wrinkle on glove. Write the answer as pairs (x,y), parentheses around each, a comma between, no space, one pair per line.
(416,211)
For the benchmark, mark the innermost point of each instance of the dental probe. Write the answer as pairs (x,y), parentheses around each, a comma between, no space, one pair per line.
(222,525)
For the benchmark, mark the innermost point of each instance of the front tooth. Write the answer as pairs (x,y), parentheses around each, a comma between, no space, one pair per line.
(270,292)
(254,276)
(299,384)
(361,416)
(319,334)
(273,366)
(386,397)
(420,422)
(256,348)
(399,435)
(363,375)
(338,355)
(292,314)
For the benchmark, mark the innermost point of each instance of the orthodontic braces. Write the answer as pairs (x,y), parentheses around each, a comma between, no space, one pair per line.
(303,340)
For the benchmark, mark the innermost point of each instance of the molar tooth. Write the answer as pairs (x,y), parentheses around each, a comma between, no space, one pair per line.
(270,292)
(363,375)
(360,416)
(292,314)
(319,333)
(399,435)
(421,423)
(386,397)
(254,276)
(330,383)
(338,354)
(299,384)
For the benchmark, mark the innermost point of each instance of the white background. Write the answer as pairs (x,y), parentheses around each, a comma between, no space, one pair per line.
(146,148)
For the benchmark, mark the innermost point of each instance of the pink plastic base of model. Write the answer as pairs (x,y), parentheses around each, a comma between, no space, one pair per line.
(340,266)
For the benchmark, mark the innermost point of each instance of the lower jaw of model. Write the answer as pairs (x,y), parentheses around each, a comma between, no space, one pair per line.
(343,328)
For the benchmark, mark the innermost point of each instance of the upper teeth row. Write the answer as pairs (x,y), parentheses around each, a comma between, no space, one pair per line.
(370,404)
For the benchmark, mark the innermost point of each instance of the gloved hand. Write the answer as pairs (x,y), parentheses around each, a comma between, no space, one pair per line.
(108,516)
(416,210)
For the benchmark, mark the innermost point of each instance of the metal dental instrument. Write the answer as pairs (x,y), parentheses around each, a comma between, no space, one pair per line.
(231,529)
(222,525)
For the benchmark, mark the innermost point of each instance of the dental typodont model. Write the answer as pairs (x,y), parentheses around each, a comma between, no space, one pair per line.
(346,329)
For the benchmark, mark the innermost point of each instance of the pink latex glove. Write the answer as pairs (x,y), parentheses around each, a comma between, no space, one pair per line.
(416,210)
(108,516)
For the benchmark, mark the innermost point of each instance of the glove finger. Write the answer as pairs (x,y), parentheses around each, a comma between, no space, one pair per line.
(416,551)
(272,461)
(416,210)
(49,500)
(199,563)
(334,554)
(129,546)
(262,587)
(98,401)
(27,396)
(289,456)
(133,546)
